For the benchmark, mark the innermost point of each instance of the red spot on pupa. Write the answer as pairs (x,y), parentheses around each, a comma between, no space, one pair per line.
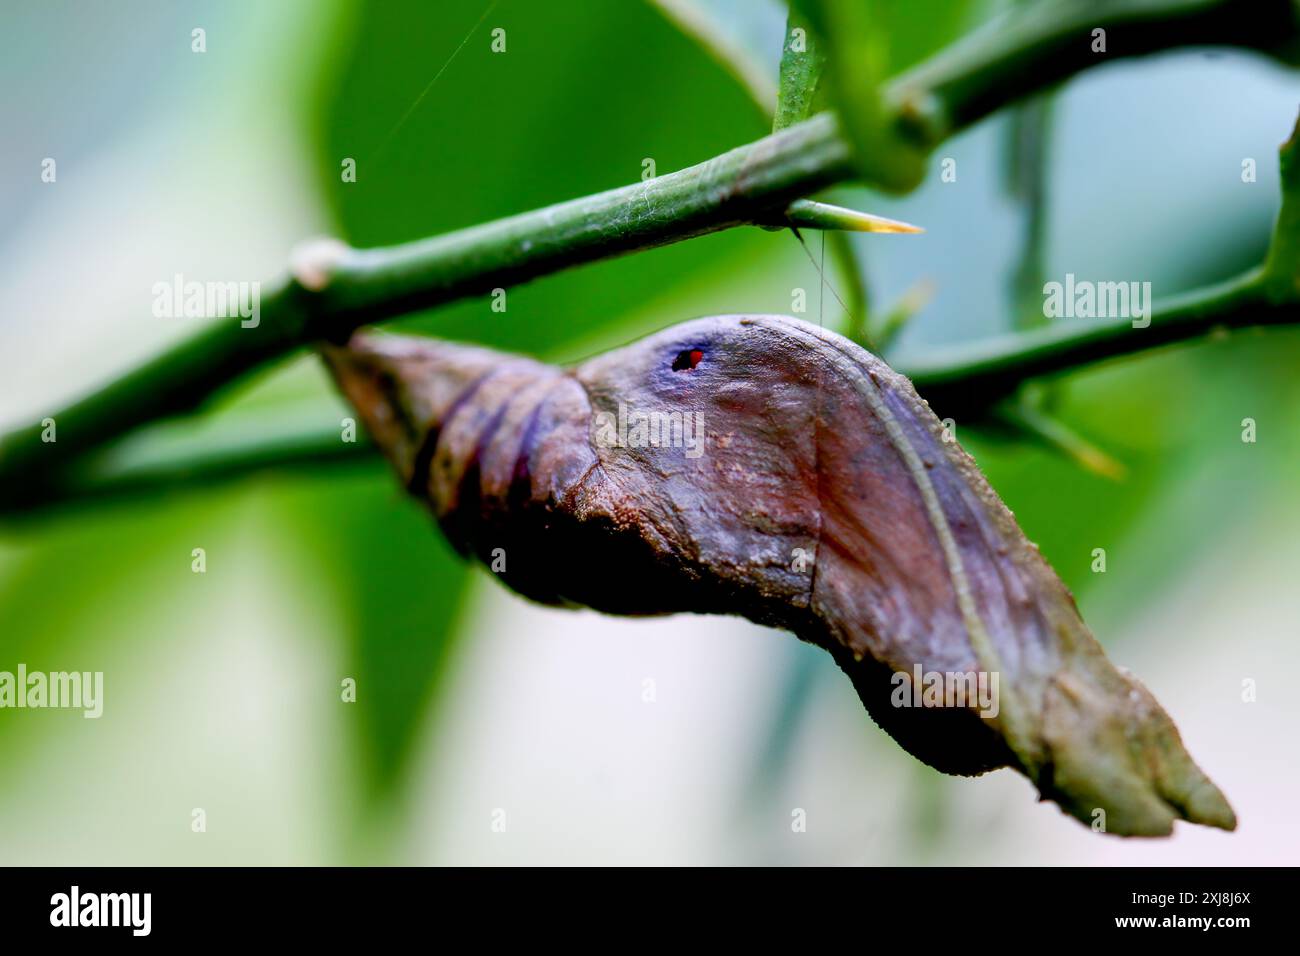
(687,360)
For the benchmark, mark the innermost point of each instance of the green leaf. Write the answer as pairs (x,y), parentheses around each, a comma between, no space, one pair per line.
(735,36)
(562,113)
(400,587)
(69,591)
(920,28)
(802,63)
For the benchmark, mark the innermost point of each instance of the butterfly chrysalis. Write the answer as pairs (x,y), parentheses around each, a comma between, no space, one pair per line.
(685,473)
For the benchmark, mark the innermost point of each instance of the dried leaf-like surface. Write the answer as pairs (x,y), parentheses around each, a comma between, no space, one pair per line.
(761,466)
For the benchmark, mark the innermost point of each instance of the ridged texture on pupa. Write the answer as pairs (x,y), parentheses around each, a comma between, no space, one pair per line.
(826,499)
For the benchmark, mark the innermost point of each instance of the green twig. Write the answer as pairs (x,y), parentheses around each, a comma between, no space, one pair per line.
(329,295)
(966,381)
(160,460)
(969,378)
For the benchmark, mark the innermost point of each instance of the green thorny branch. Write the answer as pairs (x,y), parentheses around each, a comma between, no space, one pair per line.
(332,289)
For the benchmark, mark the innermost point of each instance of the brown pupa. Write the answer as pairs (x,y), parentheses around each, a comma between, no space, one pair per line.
(762,466)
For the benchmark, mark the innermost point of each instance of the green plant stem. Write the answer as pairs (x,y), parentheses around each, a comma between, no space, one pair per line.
(1044,43)
(1023,52)
(149,466)
(962,379)
(967,382)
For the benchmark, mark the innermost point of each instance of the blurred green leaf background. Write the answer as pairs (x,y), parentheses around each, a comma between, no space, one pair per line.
(223,689)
